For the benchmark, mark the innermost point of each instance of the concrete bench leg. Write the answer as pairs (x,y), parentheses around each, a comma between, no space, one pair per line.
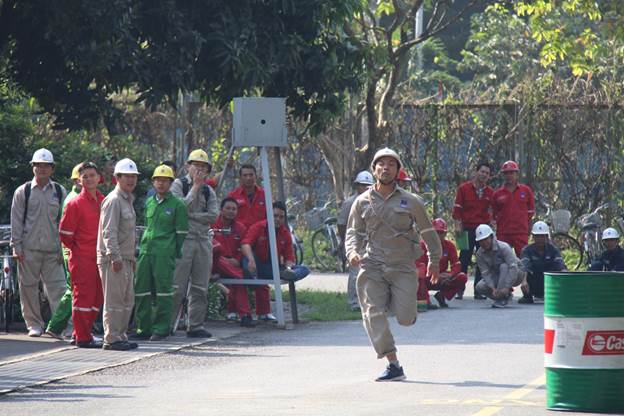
(293,302)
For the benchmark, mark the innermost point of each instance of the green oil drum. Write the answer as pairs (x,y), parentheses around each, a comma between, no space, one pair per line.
(584,341)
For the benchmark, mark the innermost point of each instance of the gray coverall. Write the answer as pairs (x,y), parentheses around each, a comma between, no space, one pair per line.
(499,268)
(196,261)
(117,242)
(387,232)
(343,218)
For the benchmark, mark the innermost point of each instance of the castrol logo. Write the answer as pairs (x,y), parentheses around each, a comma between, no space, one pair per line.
(604,343)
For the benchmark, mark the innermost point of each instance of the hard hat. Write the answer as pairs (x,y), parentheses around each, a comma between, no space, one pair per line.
(510,166)
(364,178)
(610,233)
(75,171)
(402,176)
(383,153)
(163,171)
(439,225)
(126,166)
(540,228)
(42,156)
(198,155)
(482,232)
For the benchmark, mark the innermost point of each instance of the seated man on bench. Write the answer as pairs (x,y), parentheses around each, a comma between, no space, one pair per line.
(257,255)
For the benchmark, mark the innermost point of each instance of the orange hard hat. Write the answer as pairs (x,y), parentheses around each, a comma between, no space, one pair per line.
(510,166)
(403,176)
(439,225)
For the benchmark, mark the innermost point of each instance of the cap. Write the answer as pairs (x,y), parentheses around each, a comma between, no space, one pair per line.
(439,225)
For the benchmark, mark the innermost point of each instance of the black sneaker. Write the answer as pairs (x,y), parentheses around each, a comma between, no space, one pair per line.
(460,295)
(392,373)
(198,333)
(247,321)
(432,307)
(526,300)
(441,301)
(89,344)
(117,346)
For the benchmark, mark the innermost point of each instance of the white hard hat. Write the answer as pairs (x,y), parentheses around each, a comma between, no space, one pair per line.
(365,178)
(383,153)
(482,232)
(42,156)
(126,166)
(540,228)
(610,233)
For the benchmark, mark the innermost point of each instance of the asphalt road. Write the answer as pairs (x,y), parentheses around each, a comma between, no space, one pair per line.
(467,360)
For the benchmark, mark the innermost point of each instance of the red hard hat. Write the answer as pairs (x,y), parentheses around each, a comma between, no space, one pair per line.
(510,166)
(402,176)
(439,225)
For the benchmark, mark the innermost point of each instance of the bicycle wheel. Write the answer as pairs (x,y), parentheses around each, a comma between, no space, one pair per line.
(325,251)
(298,248)
(571,250)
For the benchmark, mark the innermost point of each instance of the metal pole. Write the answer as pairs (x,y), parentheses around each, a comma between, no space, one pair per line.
(268,198)
(280,175)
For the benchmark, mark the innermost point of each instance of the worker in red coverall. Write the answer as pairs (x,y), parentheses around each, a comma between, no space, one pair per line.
(514,206)
(249,196)
(451,280)
(79,233)
(227,263)
(255,248)
(473,206)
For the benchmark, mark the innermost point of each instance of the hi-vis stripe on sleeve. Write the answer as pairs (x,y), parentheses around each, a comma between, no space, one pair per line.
(181,232)
(426,230)
(459,206)
(66,232)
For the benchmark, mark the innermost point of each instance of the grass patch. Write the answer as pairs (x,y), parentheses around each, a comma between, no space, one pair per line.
(324,306)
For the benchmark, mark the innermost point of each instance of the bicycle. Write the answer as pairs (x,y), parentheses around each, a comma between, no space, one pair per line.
(591,233)
(326,247)
(571,250)
(9,290)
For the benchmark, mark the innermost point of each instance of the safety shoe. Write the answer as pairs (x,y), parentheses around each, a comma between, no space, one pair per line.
(538,299)
(432,307)
(54,335)
(269,317)
(117,346)
(198,333)
(441,301)
(459,295)
(392,373)
(157,337)
(501,303)
(526,300)
(89,344)
(35,332)
(478,296)
(232,317)
(133,345)
(247,321)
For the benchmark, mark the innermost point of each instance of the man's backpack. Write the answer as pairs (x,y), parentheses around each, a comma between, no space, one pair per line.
(186,187)
(59,196)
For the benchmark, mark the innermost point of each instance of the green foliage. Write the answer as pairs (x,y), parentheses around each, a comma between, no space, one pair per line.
(325,306)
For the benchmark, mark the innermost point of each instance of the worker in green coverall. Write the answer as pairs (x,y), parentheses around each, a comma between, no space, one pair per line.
(62,315)
(166,221)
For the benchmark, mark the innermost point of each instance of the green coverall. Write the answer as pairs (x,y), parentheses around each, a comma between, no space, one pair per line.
(166,228)
(63,312)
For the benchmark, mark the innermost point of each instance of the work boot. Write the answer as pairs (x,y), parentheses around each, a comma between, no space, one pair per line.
(441,301)
(432,307)
(140,337)
(526,299)
(269,317)
(232,317)
(117,346)
(198,333)
(35,332)
(392,373)
(89,344)
(247,321)
(460,295)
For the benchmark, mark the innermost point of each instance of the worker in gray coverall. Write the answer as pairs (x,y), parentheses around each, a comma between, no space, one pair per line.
(499,267)
(383,233)
(362,182)
(196,261)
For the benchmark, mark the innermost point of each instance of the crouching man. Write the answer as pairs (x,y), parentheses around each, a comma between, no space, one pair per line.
(499,267)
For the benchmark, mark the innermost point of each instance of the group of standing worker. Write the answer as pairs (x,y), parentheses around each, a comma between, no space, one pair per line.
(176,256)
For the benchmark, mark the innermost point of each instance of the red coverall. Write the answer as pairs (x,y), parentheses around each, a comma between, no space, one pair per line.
(471,209)
(249,212)
(513,212)
(449,259)
(258,238)
(79,233)
(229,246)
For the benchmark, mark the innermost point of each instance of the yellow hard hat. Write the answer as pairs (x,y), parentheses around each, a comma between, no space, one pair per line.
(198,155)
(163,171)
(75,172)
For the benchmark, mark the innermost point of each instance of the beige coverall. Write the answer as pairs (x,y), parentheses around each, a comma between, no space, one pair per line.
(499,268)
(38,238)
(196,261)
(117,242)
(387,232)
